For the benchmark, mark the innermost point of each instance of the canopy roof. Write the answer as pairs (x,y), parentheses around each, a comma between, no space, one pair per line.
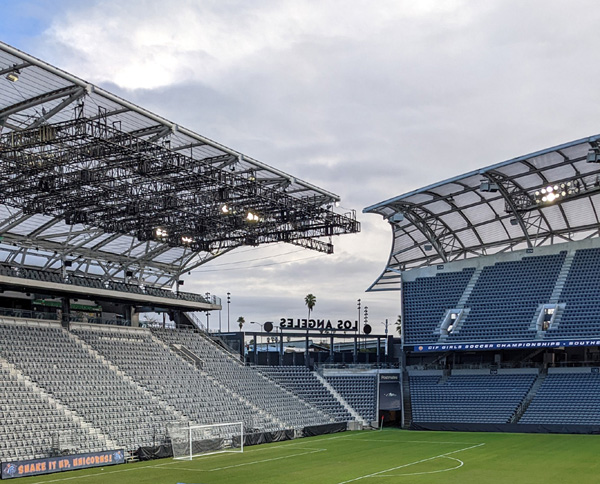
(538,199)
(88,177)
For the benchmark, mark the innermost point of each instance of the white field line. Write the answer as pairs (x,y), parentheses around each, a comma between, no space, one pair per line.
(376,474)
(460,464)
(310,451)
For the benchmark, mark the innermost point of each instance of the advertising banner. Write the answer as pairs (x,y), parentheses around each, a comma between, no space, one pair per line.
(508,345)
(63,463)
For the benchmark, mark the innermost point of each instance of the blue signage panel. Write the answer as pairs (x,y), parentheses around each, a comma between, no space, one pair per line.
(63,463)
(512,345)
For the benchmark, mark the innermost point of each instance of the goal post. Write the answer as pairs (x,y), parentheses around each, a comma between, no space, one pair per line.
(197,440)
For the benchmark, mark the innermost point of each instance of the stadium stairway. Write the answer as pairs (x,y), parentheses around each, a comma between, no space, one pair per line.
(529,397)
(340,399)
(406,401)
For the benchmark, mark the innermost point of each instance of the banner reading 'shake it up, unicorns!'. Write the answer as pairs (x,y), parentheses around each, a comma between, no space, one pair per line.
(61,463)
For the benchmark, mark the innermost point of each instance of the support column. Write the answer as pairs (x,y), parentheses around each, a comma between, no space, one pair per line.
(66,311)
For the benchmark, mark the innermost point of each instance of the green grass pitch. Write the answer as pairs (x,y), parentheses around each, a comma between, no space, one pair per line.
(388,456)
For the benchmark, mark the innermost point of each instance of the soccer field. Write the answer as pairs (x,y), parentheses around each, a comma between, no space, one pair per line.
(387,456)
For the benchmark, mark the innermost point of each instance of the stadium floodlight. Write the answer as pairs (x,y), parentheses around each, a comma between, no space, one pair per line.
(225,208)
(13,76)
(252,217)
(160,233)
(186,240)
(553,193)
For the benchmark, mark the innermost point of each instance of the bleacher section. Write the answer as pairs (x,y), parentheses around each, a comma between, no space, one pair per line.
(506,297)
(284,405)
(31,426)
(359,391)
(304,383)
(505,300)
(97,283)
(426,299)
(117,408)
(468,398)
(581,316)
(108,387)
(571,398)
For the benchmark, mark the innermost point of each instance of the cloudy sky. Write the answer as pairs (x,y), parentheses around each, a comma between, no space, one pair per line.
(367,99)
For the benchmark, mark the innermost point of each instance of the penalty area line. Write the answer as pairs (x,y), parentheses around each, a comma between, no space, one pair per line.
(377,474)
(314,451)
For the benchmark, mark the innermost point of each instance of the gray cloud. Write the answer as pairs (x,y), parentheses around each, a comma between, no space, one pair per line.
(368,100)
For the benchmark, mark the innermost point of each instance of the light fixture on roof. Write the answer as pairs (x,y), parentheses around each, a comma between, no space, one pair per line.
(487,185)
(252,217)
(13,76)
(160,233)
(553,193)
(186,239)
(593,155)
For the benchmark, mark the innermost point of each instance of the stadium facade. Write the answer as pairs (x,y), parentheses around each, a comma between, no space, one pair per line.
(497,275)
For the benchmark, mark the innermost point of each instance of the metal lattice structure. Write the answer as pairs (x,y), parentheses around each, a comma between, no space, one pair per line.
(543,198)
(114,189)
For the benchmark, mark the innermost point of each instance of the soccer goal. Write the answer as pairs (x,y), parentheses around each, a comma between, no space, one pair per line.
(197,440)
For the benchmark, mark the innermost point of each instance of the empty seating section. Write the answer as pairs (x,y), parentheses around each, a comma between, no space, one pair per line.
(359,392)
(31,425)
(96,282)
(468,398)
(305,384)
(506,297)
(246,381)
(426,300)
(172,379)
(567,399)
(68,372)
(581,316)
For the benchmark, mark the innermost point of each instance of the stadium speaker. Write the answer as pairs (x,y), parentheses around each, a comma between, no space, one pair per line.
(268,326)
(367,329)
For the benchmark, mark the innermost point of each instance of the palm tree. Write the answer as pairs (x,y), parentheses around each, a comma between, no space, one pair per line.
(399,325)
(310,302)
(241,321)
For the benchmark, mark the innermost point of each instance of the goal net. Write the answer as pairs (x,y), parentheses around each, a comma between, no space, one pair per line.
(197,440)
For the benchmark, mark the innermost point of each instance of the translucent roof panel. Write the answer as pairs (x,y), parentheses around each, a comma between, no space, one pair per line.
(537,199)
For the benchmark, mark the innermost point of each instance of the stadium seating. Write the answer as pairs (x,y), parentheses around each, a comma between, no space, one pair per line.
(581,316)
(305,384)
(359,391)
(117,408)
(566,398)
(287,407)
(188,389)
(467,398)
(505,299)
(31,425)
(426,300)
(97,283)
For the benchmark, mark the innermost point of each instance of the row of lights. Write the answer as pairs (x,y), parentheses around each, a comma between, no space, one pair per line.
(552,193)
(250,215)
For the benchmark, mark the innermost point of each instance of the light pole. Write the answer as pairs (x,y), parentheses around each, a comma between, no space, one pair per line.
(228,302)
(207,313)
(366,320)
(256,342)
